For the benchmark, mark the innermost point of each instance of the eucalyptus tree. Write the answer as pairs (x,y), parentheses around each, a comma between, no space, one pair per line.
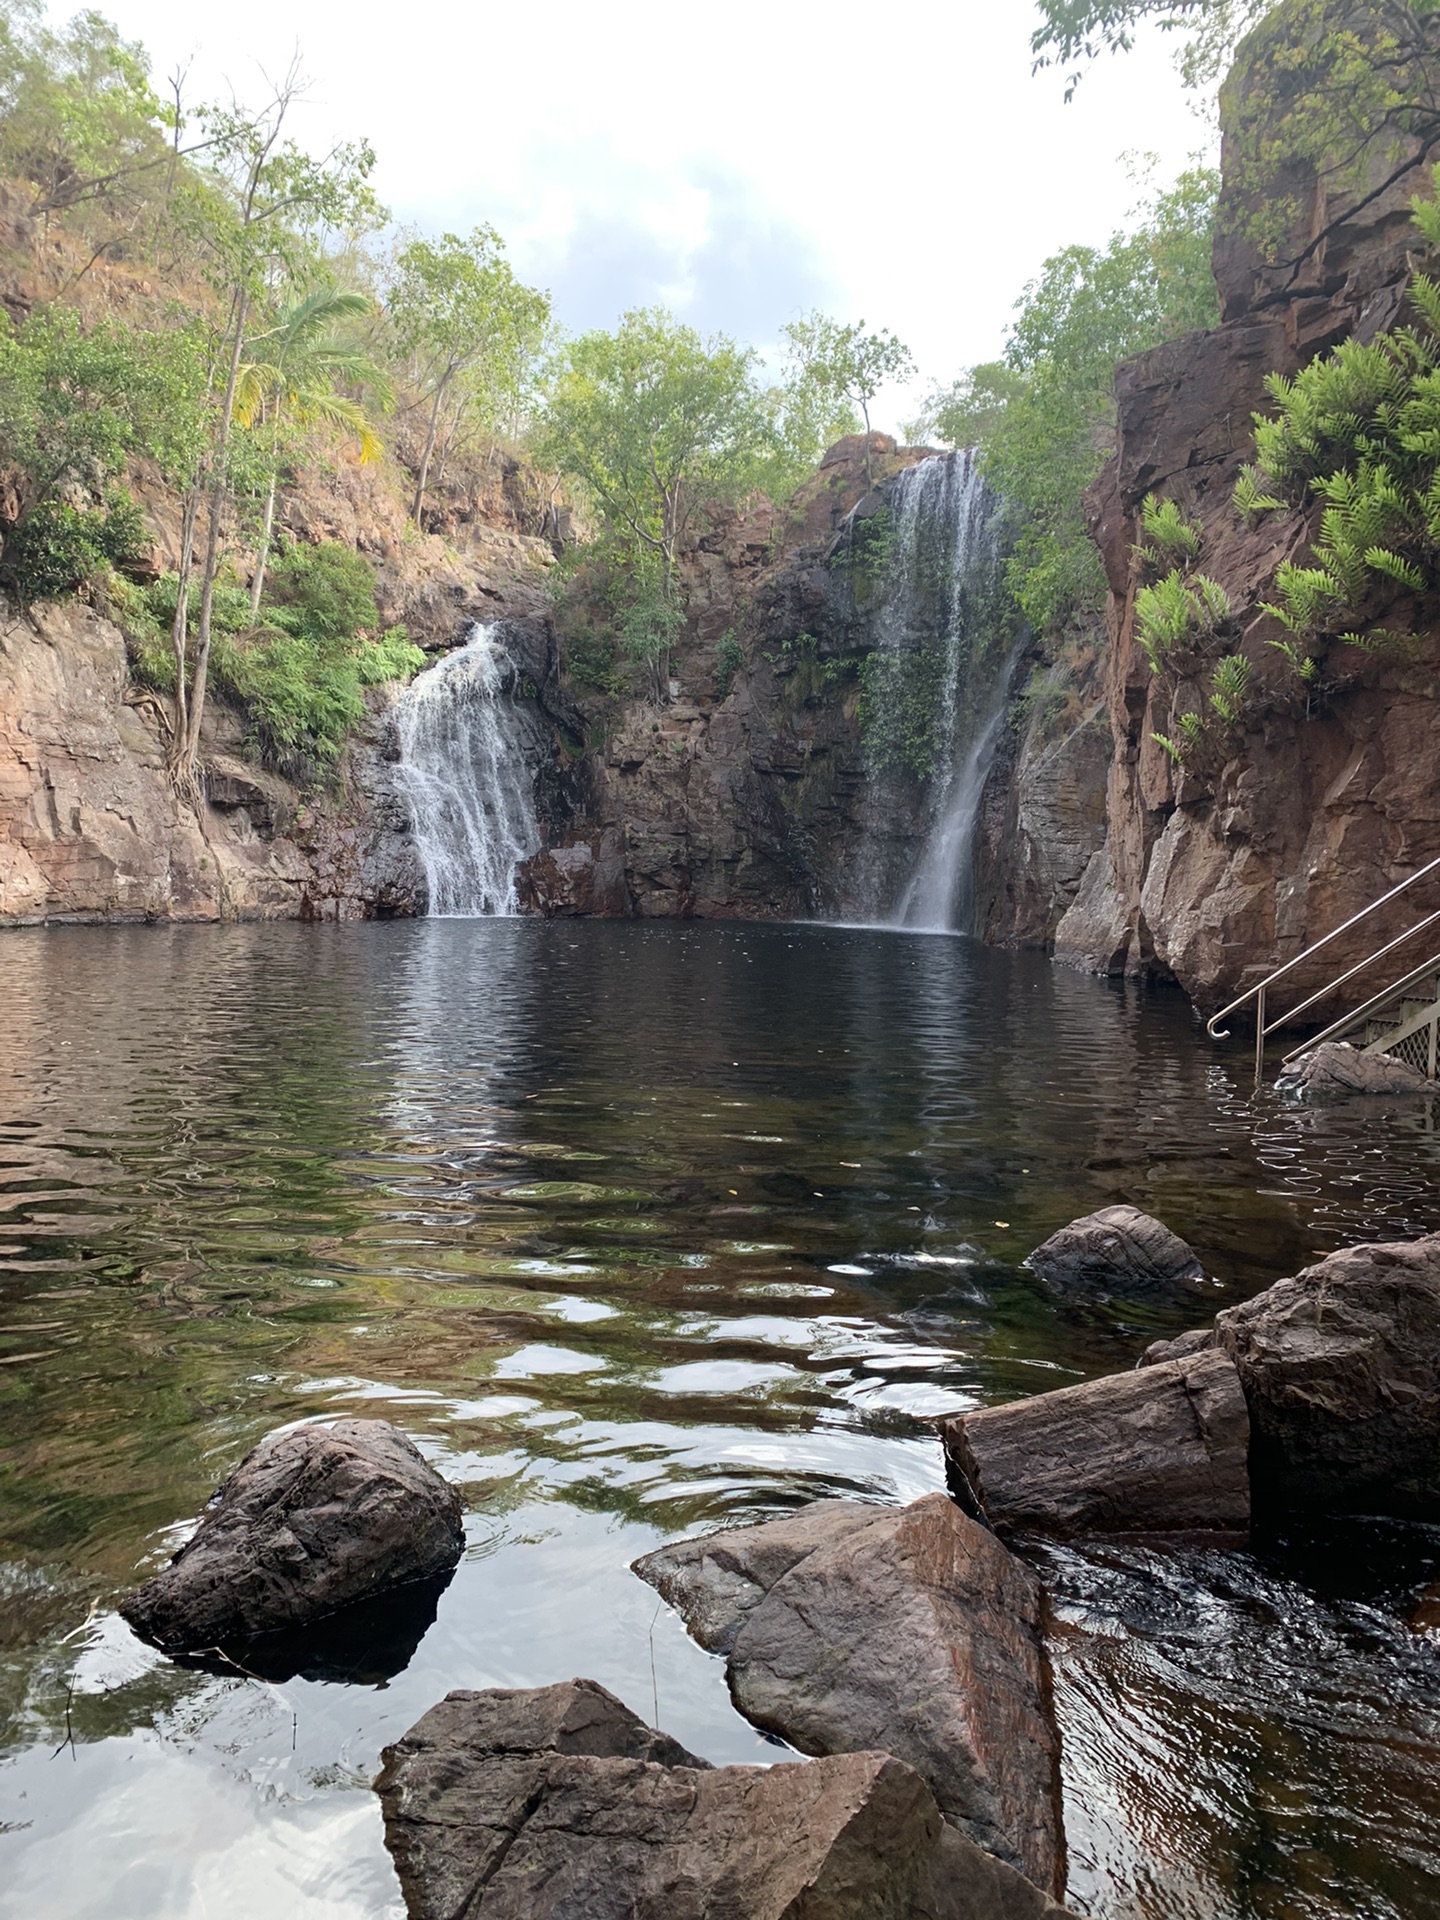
(473,335)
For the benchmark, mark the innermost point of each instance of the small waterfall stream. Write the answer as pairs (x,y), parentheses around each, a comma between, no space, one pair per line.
(939,619)
(464,773)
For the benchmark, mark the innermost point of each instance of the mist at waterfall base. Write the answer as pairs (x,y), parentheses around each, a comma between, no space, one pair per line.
(464,774)
(941,590)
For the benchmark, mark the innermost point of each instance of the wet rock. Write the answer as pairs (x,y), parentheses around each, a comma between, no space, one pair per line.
(312,1520)
(1335,1067)
(557,1803)
(1184,1346)
(1341,1370)
(1161,1449)
(1117,1252)
(910,1629)
(1425,1617)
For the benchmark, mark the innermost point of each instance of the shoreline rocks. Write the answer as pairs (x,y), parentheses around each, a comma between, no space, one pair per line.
(1162,1449)
(558,1803)
(911,1629)
(313,1520)
(1118,1252)
(1335,1068)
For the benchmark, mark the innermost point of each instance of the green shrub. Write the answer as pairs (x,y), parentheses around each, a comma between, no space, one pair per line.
(1169,534)
(1177,612)
(61,548)
(729,660)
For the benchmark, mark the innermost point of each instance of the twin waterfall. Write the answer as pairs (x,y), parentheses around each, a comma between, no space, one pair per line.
(464,772)
(939,620)
(940,668)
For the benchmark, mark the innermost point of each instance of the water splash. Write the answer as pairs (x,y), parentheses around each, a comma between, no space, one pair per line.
(464,772)
(939,619)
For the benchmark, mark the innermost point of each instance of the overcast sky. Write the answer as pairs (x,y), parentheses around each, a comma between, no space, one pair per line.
(737,163)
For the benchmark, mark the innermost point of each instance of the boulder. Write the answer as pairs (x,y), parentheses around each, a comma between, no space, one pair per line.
(1118,1252)
(312,1520)
(1425,1615)
(1341,1370)
(557,1803)
(1161,1449)
(910,1629)
(1335,1067)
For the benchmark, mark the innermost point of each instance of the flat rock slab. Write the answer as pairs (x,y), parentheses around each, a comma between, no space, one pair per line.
(557,1803)
(1341,1369)
(910,1629)
(312,1520)
(1162,1449)
(1335,1068)
(1117,1253)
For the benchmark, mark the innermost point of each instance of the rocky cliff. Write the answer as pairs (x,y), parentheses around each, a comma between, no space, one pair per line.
(1313,804)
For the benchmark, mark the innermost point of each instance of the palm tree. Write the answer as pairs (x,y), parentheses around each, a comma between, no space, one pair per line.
(304,362)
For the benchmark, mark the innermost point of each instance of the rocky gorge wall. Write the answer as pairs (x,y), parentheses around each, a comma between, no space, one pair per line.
(1310,808)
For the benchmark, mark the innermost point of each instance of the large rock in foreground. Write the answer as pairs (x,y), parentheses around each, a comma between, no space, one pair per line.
(910,1629)
(1341,1369)
(1161,1449)
(557,1803)
(1118,1252)
(310,1521)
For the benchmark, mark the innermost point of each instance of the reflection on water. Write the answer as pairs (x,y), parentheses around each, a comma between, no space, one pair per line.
(639,1229)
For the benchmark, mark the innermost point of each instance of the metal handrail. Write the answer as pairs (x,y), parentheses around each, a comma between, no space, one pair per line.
(1212,1025)
(1348,1021)
(1258,991)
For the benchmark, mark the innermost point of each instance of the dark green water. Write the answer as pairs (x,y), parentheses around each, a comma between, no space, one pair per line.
(641,1229)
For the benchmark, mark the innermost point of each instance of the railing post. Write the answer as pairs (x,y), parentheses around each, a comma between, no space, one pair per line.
(1434,1031)
(1260,1037)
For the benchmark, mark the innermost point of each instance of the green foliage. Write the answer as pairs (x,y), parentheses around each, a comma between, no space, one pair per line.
(1169,534)
(1252,500)
(729,661)
(59,548)
(900,716)
(1178,611)
(1043,418)
(833,369)
(298,677)
(1228,686)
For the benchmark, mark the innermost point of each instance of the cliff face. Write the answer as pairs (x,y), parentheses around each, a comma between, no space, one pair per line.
(1309,808)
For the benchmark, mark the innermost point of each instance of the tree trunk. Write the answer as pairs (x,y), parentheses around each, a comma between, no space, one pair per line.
(424,472)
(180,628)
(257,585)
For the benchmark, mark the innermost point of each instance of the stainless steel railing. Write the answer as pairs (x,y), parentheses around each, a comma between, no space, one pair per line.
(1258,992)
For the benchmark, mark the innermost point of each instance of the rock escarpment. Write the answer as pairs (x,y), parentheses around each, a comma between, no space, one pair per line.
(1309,808)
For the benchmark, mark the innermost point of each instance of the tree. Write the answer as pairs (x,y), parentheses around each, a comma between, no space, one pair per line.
(658,422)
(474,333)
(276,198)
(1073,33)
(74,405)
(834,368)
(296,384)
(1043,417)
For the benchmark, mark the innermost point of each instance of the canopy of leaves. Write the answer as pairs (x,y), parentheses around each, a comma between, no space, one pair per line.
(833,368)
(1043,417)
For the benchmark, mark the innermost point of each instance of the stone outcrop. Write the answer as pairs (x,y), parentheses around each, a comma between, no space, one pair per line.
(910,1629)
(312,1520)
(1336,1068)
(1341,1370)
(557,1803)
(1118,1252)
(1162,1449)
(1309,809)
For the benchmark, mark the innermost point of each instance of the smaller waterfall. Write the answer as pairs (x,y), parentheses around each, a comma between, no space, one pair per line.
(939,634)
(464,772)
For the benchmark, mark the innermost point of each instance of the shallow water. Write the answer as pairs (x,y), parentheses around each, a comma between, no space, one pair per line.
(640,1229)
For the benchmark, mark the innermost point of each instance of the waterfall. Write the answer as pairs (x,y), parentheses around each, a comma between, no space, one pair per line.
(945,662)
(464,773)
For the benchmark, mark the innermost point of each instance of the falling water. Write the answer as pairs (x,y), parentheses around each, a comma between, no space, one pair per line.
(464,772)
(941,594)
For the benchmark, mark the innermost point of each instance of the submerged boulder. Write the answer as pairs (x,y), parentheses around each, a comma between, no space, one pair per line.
(1161,1449)
(558,1803)
(1335,1067)
(1118,1252)
(312,1520)
(1341,1370)
(910,1629)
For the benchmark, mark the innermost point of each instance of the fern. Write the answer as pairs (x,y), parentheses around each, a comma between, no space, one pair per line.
(1169,535)
(1175,612)
(1251,499)
(1175,751)
(1228,685)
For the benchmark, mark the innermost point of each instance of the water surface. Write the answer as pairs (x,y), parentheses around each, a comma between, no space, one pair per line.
(640,1229)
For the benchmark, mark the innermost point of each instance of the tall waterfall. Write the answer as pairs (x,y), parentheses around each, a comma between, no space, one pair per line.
(949,665)
(464,772)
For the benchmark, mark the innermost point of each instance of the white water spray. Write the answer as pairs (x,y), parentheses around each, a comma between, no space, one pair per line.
(463,770)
